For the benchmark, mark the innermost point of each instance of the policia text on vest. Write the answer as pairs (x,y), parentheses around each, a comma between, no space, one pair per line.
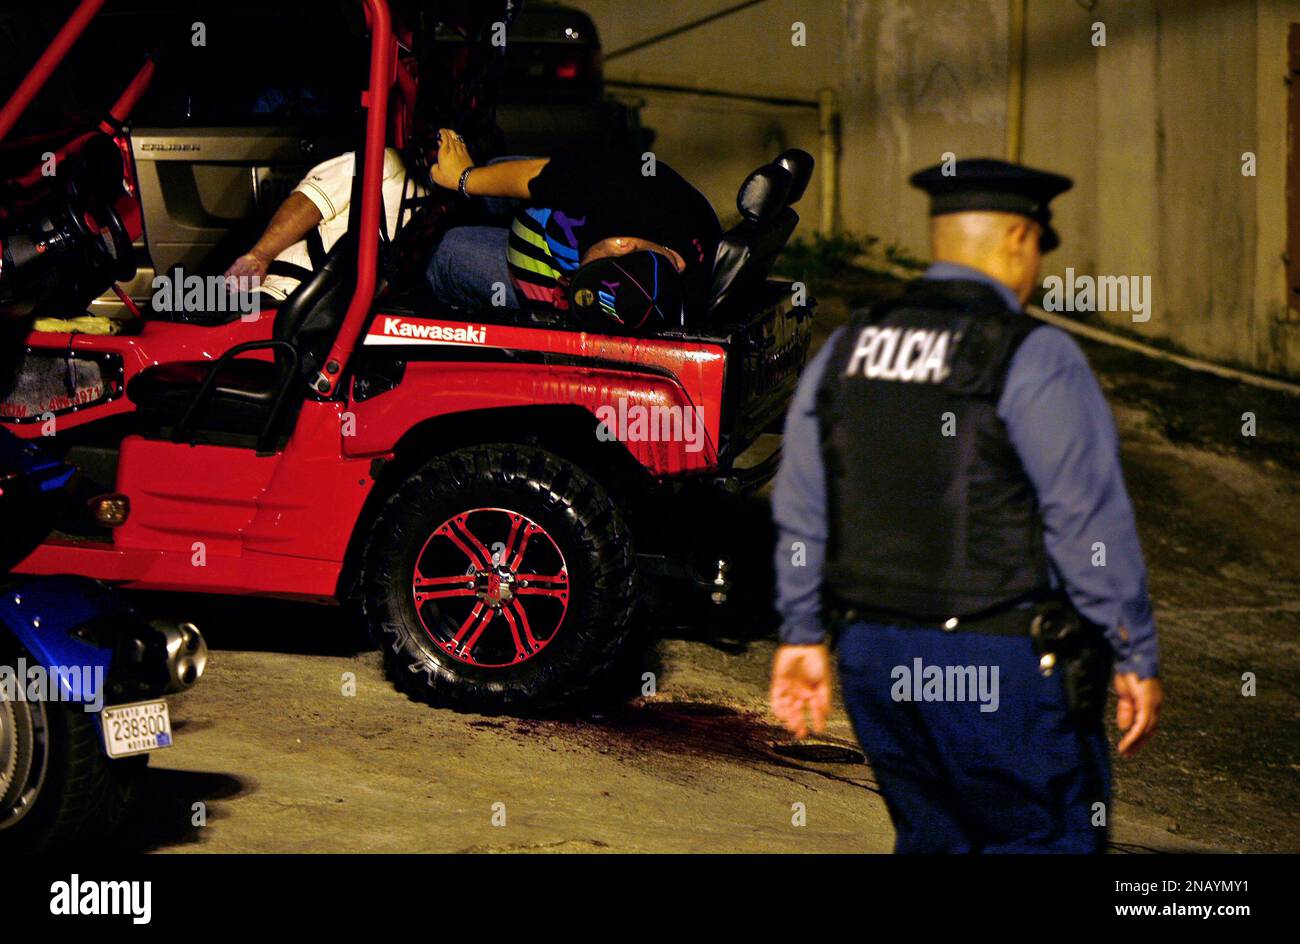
(913,355)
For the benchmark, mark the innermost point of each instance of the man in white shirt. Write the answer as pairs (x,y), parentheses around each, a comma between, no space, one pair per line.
(280,259)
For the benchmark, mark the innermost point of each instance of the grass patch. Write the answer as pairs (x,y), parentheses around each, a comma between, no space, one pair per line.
(821,257)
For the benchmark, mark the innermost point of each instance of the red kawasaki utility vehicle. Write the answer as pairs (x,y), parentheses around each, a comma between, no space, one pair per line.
(448,469)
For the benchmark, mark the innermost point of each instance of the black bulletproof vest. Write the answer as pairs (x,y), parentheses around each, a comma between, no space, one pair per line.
(931,514)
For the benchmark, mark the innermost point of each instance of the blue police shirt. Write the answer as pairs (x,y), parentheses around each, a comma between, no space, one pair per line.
(1061,426)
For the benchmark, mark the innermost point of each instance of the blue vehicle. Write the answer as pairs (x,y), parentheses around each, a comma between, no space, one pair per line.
(81,676)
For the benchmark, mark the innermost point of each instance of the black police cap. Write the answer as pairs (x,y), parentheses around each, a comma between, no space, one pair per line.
(986,184)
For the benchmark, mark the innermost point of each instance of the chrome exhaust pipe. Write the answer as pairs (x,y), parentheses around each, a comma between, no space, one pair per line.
(186,654)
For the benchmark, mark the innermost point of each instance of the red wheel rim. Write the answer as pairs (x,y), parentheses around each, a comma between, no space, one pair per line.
(491,587)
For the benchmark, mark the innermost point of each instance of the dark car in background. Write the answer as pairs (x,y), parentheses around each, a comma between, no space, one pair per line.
(552,86)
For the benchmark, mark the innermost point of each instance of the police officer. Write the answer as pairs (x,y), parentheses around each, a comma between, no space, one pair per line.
(950,504)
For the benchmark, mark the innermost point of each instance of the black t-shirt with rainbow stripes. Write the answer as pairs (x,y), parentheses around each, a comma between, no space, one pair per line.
(582,197)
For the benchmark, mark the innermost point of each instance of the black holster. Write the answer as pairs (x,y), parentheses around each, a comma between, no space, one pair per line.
(1068,643)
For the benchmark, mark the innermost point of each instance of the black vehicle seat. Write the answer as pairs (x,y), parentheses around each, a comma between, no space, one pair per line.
(245,388)
(311,316)
(748,250)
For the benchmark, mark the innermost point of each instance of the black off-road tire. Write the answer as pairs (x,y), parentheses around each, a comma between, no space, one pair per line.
(582,521)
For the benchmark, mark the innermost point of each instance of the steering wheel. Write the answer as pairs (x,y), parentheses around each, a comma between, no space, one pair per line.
(100,229)
(68,248)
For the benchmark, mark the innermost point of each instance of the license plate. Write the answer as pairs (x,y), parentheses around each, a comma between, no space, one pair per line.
(136,728)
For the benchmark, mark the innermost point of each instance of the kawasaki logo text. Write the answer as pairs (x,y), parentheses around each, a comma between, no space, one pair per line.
(464,334)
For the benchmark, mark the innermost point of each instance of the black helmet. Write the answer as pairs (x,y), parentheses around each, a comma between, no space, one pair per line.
(640,291)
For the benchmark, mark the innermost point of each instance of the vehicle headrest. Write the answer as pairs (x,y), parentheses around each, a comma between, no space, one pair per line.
(800,165)
(764,193)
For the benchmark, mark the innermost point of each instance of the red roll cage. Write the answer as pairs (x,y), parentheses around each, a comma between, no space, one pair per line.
(382,74)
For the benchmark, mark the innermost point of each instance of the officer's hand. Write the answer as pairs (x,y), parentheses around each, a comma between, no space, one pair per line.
(801,685)
(1138,710)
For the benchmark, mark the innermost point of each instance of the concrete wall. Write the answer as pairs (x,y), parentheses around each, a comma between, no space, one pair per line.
(1276,323)
(1152,126)
(920,78)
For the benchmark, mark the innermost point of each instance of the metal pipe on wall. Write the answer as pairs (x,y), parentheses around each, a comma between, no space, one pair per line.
(1016,79)
(828,127)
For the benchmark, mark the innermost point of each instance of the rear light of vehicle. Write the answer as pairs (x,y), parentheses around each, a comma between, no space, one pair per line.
(584,67)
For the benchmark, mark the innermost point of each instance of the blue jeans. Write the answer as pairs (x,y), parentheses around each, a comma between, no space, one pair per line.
(1020,778)
(470,261)
(469,266)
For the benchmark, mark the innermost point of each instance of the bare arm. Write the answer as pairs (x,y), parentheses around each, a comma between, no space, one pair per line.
(502,179)
(295,218)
